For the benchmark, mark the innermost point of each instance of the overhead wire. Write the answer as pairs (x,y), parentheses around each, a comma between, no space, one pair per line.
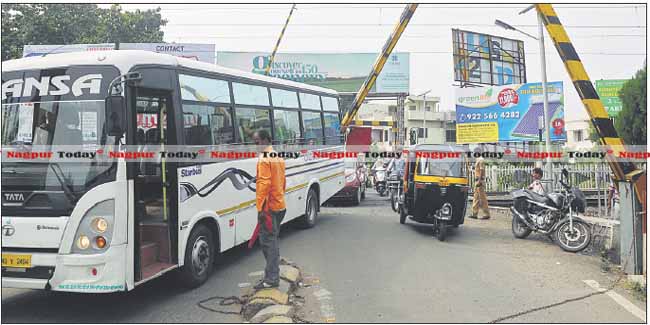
(307,6)
(387,24)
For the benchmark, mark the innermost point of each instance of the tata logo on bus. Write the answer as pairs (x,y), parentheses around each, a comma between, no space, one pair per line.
(508,97)
(14,197)
(52,86)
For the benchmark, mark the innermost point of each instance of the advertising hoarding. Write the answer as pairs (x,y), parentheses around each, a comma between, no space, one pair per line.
(198,52)
(41,50)
(608,92)
(508,113)
(343,72)
(486,59)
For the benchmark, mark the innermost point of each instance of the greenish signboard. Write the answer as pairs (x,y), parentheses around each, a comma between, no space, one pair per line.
(608,93)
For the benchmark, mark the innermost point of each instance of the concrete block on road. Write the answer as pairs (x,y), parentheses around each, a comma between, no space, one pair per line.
(271,311)
(273,294)
(289,273)
(279,320)
(285,286)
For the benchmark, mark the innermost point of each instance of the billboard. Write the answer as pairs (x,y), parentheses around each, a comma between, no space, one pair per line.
(41,50)
(486,59)
(343,72)
(198,52)
(608,92)
(508,113)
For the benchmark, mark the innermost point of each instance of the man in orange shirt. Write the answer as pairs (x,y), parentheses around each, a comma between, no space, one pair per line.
(270,188)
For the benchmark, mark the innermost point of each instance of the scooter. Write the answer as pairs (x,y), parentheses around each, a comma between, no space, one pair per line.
(380,181)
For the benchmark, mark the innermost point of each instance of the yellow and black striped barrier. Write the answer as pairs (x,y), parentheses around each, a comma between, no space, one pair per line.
(599,117)
(277,44)
(379,64)
(374,123)
(590,99)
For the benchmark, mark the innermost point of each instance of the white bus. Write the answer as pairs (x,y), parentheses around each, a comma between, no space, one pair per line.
(111,225)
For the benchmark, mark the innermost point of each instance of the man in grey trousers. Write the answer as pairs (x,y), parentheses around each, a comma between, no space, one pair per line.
(270,187)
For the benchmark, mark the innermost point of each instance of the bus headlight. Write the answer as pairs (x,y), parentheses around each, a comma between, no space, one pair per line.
(95,229)
(83,242)
(99,225)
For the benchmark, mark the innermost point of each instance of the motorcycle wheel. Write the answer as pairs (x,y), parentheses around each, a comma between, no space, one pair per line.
(441,231)
(402,214)
(519,229)
(394,203)
(574,241)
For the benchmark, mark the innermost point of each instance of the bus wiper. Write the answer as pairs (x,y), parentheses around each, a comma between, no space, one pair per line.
(67,188)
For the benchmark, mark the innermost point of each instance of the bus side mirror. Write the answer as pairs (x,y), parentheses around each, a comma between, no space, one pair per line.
(115,115)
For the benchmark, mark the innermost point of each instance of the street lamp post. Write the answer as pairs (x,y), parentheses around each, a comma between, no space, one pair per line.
(424,112)
(542,50)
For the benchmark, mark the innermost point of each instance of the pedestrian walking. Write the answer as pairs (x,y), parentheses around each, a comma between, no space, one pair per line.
(480,201)
(270,188)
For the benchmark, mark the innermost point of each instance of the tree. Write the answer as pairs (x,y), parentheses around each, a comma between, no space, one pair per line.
(40,23)
(631,121)
(593,134)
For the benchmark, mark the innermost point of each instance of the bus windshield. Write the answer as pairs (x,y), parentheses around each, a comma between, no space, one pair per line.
(72,122)
(60,126)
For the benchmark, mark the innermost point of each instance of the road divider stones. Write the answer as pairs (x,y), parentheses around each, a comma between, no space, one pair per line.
(275,305)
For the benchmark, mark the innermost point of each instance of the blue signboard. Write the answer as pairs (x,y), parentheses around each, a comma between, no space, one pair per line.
(508,113)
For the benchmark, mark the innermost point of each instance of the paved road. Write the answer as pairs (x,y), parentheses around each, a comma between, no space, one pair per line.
(377,271)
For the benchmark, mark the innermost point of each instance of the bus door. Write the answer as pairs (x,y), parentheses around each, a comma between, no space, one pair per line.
(155,216)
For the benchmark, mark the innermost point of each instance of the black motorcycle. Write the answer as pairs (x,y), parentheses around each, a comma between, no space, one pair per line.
(395,190)
(554,214)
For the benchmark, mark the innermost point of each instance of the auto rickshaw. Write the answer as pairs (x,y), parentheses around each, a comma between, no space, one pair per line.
(435,188)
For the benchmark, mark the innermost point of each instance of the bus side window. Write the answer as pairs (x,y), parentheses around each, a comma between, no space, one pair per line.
(287,126)
(313,125)
(206,124)
(250,120)
(332,128)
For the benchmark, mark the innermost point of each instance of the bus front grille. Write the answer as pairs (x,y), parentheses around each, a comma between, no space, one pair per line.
(37,272)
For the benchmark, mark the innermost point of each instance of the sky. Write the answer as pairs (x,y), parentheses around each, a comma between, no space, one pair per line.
(610,38)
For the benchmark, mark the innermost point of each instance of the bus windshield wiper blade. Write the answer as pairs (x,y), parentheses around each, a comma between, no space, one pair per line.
(67,188)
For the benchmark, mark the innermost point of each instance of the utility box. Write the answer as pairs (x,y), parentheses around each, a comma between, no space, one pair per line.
(631,230)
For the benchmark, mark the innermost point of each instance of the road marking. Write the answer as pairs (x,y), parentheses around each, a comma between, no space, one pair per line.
(632,308)
(326,308)
(256,273)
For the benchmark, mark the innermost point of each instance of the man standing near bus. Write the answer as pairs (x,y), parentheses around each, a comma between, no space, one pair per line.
(270,188)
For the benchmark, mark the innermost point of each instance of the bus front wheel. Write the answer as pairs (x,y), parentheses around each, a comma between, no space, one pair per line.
(199,257)
(311,211)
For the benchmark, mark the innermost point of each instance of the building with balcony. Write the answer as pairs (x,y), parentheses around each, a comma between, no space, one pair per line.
(433,126)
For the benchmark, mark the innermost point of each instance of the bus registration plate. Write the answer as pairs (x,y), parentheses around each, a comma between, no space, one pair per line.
(15,260)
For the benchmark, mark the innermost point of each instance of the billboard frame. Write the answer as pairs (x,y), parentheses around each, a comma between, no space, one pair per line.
(461,56)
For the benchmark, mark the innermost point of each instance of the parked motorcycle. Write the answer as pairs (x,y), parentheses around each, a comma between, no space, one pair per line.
(553,214)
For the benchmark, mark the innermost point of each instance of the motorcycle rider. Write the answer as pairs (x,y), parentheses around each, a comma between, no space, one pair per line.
(396,167)
(537,186)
